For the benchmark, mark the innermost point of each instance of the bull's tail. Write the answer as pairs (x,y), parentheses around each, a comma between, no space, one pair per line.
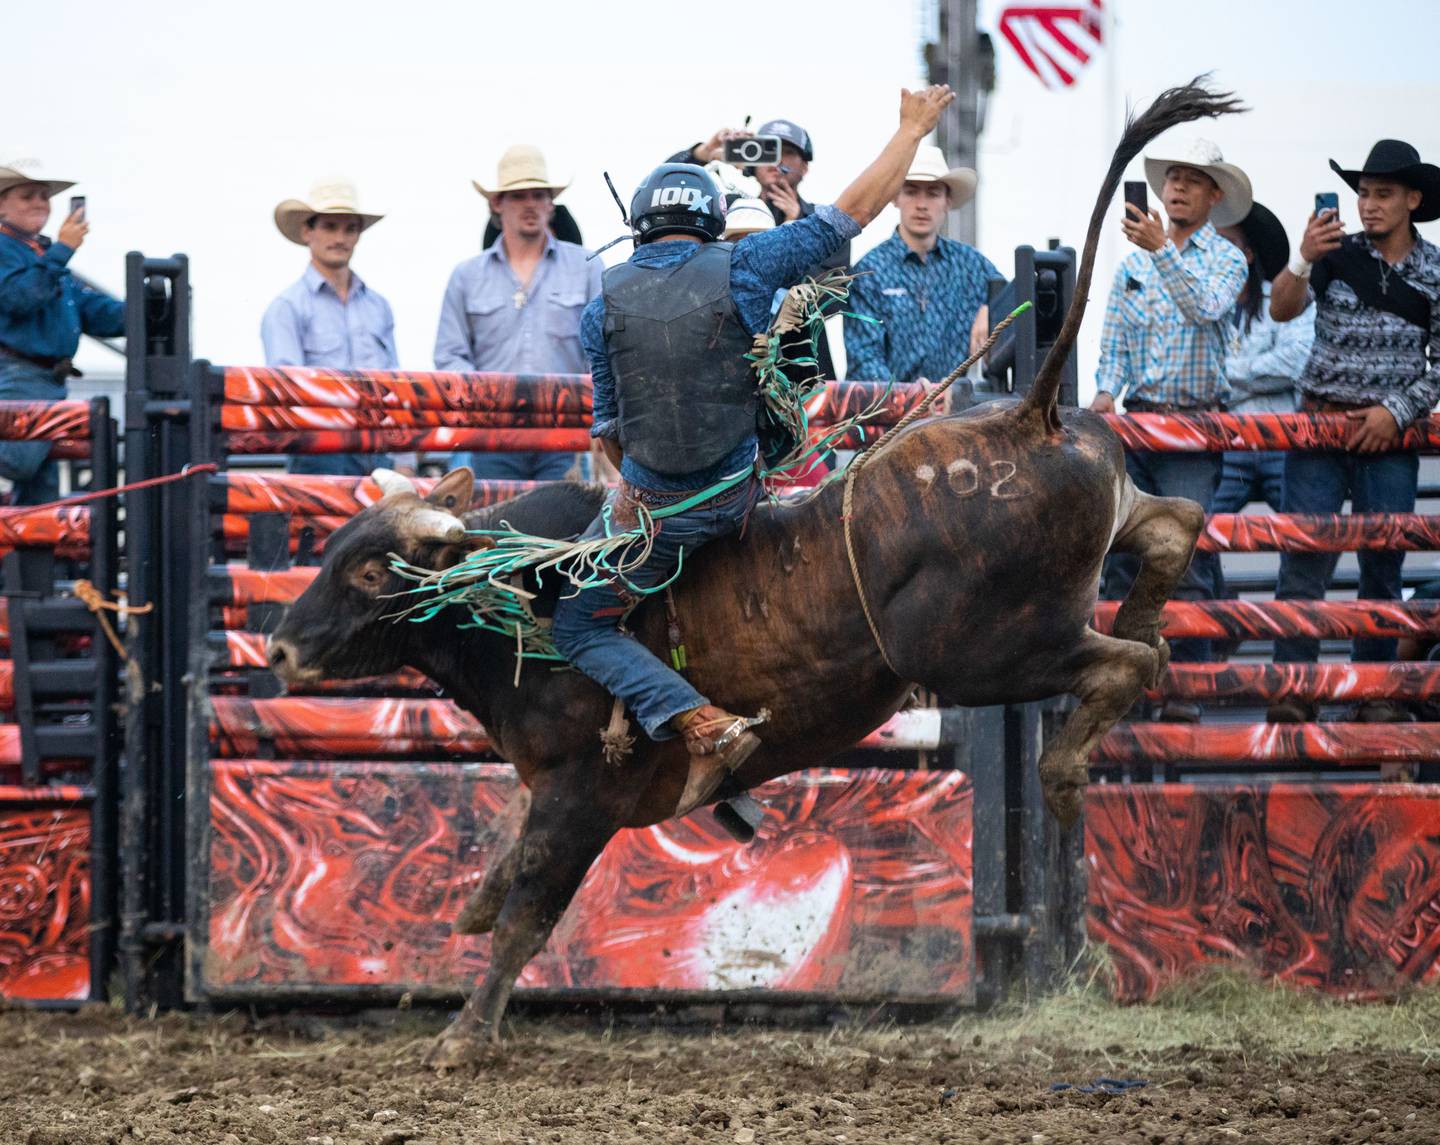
(1171,108)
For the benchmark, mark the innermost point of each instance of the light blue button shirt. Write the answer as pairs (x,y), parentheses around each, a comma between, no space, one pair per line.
(489,322)
(308,325)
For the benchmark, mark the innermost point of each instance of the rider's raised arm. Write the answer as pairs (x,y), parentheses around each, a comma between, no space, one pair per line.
(880,182)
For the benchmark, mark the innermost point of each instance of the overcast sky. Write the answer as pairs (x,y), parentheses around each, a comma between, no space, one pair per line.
(185,123)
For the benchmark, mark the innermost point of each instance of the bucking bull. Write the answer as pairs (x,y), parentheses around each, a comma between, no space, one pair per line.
(978,541)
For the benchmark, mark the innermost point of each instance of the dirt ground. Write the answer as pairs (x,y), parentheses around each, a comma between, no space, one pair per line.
(1229,1065)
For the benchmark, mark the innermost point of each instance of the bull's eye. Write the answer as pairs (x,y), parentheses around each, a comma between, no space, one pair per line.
(369,577)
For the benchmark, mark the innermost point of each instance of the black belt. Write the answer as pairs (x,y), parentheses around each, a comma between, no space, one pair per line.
(60,368)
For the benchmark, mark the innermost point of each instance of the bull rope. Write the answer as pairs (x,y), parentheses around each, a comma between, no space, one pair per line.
(868,453)
(487,582)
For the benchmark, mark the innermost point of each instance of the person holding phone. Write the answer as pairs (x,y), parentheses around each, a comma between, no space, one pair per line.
(1377,328)
(43,311)
(1163,345)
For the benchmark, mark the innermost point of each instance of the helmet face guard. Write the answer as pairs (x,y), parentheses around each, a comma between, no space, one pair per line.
(677,198)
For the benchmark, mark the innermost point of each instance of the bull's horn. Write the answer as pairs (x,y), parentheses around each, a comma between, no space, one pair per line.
(438,525)
(392,482)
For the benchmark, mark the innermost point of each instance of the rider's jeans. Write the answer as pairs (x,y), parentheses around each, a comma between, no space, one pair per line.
(586,625)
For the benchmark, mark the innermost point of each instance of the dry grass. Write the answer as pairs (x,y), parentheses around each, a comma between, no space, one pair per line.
(1219,1011)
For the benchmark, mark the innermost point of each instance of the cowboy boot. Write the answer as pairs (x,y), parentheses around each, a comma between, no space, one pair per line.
(718,743)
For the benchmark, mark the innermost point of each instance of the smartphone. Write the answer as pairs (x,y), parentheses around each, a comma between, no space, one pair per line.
(1327,201)
(1135,192)
(77,203)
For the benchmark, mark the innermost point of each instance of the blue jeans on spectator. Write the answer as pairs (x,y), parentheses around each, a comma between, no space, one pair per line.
(1245,476)
(586,628)
(27,463)
(523,466)
(1189,475)
(1319,483)
(339,464)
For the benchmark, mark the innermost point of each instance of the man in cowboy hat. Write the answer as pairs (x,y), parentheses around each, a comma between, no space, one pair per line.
(917,288)
(1162,348)
(330,317)
(675,407)
(43,311)
(515,307)
(1377,326)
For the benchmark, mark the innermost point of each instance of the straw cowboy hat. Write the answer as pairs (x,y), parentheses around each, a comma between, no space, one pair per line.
(521,168)
(1393,159)
(746,216)
(929,166)
(1205,156)
(17,171)
(328,197)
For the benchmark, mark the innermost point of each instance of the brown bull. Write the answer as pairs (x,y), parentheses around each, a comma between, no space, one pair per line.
(978,545)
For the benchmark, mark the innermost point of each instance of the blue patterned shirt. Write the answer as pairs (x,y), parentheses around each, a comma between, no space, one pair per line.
(760,264)
(1165,323)
(1263,364)
(925,309)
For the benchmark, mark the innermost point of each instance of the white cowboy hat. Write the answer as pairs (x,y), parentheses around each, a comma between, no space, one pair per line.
(327,197)
(929,166)
(521,168)
(20,170)
(746,216)
(1205,156)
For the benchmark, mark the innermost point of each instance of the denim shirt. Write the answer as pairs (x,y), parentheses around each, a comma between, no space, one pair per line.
(43,309)
(308,325)
(760,264)
(488,322)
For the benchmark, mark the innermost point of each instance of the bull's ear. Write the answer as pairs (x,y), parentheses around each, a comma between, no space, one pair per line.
(392,482)
(454,491)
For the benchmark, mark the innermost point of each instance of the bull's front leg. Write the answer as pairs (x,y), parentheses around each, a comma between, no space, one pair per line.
(566,830)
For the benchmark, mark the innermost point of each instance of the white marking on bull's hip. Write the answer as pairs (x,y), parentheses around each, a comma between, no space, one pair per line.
(964,478)
(925,474)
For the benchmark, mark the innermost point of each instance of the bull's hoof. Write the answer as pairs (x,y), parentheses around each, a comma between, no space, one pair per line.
(1065,801)
(463,1050)
(477,916)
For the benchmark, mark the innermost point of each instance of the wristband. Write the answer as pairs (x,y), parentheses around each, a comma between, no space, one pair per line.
(1300,267)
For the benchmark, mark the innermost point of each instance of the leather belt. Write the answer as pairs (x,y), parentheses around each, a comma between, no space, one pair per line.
(60,368)
(1141,406)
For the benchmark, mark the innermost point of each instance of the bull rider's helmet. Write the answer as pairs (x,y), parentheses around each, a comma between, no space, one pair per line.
(677,199)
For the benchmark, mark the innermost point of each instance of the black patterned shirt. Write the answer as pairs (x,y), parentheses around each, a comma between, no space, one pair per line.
(1366,356)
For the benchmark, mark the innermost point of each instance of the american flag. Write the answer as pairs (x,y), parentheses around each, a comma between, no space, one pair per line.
(1054,41)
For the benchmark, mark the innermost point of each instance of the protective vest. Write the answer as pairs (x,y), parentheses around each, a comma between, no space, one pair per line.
(677,349)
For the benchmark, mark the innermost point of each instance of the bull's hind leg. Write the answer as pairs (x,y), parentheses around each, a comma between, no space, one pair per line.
(564,833)
(1106,675)
(1162,532)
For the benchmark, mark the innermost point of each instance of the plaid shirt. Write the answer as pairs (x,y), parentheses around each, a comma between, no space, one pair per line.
(1165,324)
(925,309)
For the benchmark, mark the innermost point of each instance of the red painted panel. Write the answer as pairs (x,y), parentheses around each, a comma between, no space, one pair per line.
(1325,744)
(1319,532)
(349,874)
(44,895)
(1214,432)
(1326,885)
(1330,680)
(44,421)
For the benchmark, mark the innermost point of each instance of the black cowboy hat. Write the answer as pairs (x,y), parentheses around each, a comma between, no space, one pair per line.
(1392,159)
(1266,236)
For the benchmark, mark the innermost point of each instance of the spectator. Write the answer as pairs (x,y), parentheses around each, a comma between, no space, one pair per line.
(1162,348)
(515,308)
(43,311)
(917,288)
(1377,322)
(746,217)
(562,225)
(330,317)
(1264,361)
(780,191)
